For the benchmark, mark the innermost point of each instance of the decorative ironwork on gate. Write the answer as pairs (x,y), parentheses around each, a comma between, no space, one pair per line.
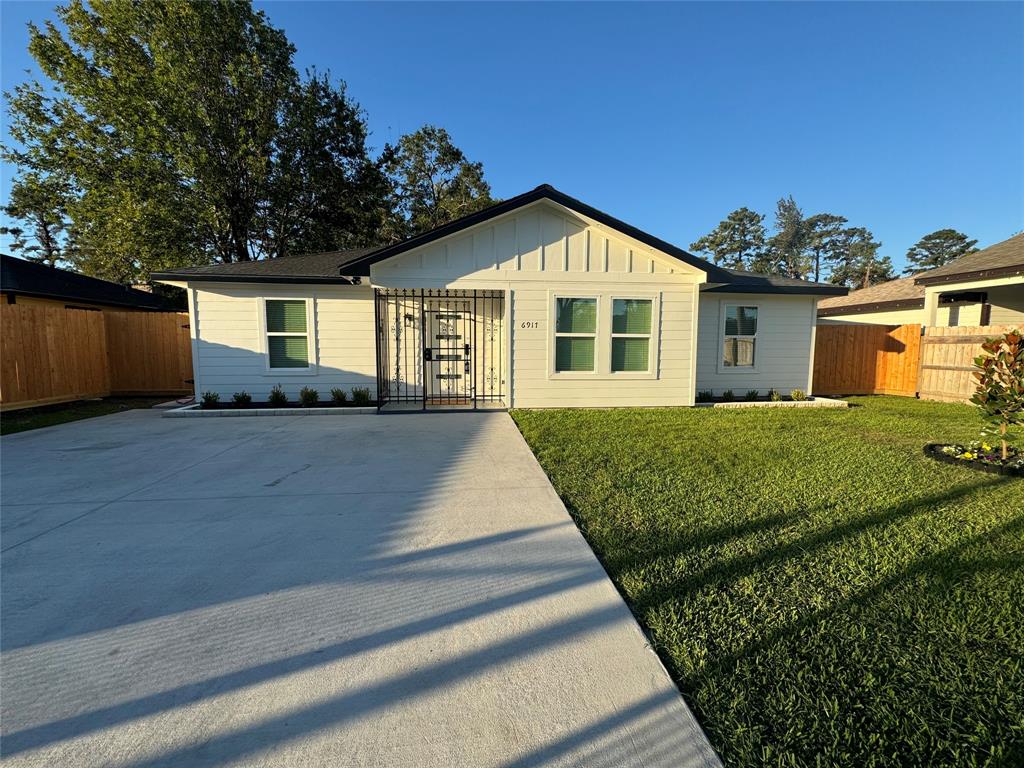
(440,347)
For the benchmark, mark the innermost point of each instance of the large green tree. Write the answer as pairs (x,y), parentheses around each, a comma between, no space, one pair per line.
(938,248)
(826,235)
(788,246)
(855,262)
(433,181)
(738,239)
(173,129)
(326,192)
(38,202)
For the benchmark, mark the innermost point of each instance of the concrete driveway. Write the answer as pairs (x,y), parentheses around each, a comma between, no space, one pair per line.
(399,590)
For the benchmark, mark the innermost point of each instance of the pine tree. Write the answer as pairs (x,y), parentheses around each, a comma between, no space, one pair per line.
(789,244)
(938,248)
(736,241)
(855,261)
(825,234)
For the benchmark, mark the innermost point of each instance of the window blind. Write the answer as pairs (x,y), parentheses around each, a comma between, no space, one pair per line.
(288,351)
(574,353)
(576,316)
(630,354)
(286,316)
(631,316)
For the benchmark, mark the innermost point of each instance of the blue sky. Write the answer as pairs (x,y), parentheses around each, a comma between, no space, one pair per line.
(905,118)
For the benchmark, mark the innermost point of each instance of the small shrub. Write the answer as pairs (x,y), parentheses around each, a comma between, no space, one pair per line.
(339,396)
(361,395)
(797,394)
(1000,392)
(774,395)
(728,396)
(751,394)
(211,398)
(705,396)
(308,397)
(242,398)
(277,396)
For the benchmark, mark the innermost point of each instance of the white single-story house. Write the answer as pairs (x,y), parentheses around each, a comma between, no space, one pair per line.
(538,301)
(983,288)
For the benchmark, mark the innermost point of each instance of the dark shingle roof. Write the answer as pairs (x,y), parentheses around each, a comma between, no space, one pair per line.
(21,277)
(305,268)
(1000,260)
(341,266)
(895,294)
(740,281)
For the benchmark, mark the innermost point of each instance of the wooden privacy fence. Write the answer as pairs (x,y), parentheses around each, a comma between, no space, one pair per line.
(899,360)
(866,359)
(947,360)
(149,353)
(53,355)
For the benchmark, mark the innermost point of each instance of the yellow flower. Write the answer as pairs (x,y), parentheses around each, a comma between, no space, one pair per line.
(986,447)
(966,455)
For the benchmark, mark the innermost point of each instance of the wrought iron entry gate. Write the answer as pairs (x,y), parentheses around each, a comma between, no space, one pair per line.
(440,348)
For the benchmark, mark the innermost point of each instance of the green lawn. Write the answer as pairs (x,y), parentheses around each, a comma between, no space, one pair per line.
(822,592)
(49,415)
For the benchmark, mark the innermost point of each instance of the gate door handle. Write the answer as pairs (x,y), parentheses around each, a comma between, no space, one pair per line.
(428,353)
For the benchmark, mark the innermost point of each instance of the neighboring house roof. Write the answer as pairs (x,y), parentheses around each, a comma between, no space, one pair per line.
(343,265)
(1003,259)
(895,294)
(26,278)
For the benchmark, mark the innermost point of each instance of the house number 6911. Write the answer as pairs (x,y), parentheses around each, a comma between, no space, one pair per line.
(530,324)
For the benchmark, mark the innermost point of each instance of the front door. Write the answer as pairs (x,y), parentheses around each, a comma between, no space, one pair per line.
(448,351)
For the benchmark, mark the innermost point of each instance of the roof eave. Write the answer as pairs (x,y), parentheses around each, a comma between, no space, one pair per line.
(155,307)
(874,306)
(790,290)
(190,277)
(966,277)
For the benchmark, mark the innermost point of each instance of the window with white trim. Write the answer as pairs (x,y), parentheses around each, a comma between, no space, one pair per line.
(631,335)
(287,333)
(740,343)
(575,334)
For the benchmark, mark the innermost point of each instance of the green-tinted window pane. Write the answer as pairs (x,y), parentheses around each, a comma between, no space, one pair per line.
(576,316)
(740,321)
(574,354)
(288,351)
(286,316)
(631,316)
(630,354)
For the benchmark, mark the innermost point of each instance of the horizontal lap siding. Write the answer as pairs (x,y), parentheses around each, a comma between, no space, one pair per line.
(542,248)
(230,340)
(783,347)
(534,386)
(1007,302)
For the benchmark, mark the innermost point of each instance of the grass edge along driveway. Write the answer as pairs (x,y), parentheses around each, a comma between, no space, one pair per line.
(12,422)
(822,592)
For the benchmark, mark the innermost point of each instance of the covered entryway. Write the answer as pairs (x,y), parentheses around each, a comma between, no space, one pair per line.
(440,349)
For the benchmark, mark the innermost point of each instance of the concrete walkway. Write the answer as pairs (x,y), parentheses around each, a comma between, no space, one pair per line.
(376,591)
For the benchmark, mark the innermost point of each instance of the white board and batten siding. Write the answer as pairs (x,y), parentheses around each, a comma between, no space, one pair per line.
(543,251)
(229,352)
(783,348)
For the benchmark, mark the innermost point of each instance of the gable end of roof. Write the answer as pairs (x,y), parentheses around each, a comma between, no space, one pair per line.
(362,266)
